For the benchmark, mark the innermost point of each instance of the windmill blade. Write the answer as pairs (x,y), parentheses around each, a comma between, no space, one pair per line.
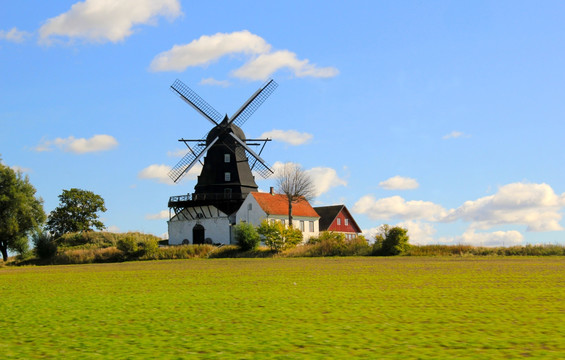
(247,109)
(261,166)
(188,161)
(199,104)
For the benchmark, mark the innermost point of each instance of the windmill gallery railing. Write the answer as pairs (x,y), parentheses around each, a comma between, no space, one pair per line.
(208,196)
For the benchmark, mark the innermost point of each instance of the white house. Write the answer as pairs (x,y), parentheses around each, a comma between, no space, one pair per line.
(259,206)
(208,224)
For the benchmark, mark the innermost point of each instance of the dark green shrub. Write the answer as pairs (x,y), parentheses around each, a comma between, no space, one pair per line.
(128,245)
(246,236)
(391,241)
(45,246)
(147,248)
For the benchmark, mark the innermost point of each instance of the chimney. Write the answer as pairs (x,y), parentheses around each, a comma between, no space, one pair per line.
(272,191)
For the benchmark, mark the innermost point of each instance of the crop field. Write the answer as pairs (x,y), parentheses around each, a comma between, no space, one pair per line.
(315,308)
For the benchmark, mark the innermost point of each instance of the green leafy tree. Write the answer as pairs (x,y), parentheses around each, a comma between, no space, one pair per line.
(278,237)
(247,236)
(77,212)
(391,241)
(21,212)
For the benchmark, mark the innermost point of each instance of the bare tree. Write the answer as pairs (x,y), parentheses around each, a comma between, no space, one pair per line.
(295,183)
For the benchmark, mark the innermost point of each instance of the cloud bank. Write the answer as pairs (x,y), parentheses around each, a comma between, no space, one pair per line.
(261,61)
(71,144)
(535,206)
(107,20)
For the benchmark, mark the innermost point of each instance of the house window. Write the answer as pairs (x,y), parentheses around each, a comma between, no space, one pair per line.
(226,158)
(227,176)
(302,225)
(227,193)
(346,221)
(311,226)
(338,221)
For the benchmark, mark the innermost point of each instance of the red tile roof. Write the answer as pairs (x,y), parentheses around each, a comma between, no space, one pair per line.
(277,204)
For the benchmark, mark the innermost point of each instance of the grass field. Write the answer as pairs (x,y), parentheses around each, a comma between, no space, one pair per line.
(318,308)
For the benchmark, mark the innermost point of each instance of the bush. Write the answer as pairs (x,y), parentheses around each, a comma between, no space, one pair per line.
(331,244)
(391,241)
(184,252)
(247,236)
(45,246)
(278,237)
(128,245)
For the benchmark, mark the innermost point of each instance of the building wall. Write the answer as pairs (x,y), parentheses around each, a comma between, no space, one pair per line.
(255,215)
(215,228)
(341,227)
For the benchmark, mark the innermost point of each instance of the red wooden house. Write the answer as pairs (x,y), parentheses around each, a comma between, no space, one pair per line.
(337,218)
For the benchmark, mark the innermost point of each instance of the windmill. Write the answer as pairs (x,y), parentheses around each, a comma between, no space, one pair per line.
(228,160)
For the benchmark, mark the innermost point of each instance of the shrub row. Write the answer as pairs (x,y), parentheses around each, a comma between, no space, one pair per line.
(467,250)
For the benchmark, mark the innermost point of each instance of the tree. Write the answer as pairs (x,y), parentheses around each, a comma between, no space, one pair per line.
(278,237)
(247,236)
(76,213)
(20,211)
(296,185)
(391,241)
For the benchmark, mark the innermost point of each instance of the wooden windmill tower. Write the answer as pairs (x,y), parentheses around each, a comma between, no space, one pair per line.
(228,161)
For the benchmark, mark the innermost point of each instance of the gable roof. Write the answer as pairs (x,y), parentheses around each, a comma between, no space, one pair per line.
(329,213)
(277,204)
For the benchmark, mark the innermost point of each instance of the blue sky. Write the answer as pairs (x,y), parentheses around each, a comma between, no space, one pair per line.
(442,116)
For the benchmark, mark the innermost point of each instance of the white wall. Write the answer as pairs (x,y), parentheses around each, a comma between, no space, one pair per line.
(255,215)
(217,229)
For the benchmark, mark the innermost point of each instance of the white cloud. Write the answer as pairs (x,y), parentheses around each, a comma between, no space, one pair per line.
(163,214)
(261,62)
(160,173)
(214,82)
(14,35)
(455,135)
(420,233)
(324,179)
(261,67)
(396,207)
(534,205)
(497,238)
(207,49)
(291,137)
(156,172)
(107,20)
(399,183)
(79,146)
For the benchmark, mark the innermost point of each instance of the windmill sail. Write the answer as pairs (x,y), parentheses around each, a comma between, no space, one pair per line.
(199,104)
(189,160)
(251,105)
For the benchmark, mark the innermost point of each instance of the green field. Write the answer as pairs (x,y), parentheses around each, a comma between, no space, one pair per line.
(319,308)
